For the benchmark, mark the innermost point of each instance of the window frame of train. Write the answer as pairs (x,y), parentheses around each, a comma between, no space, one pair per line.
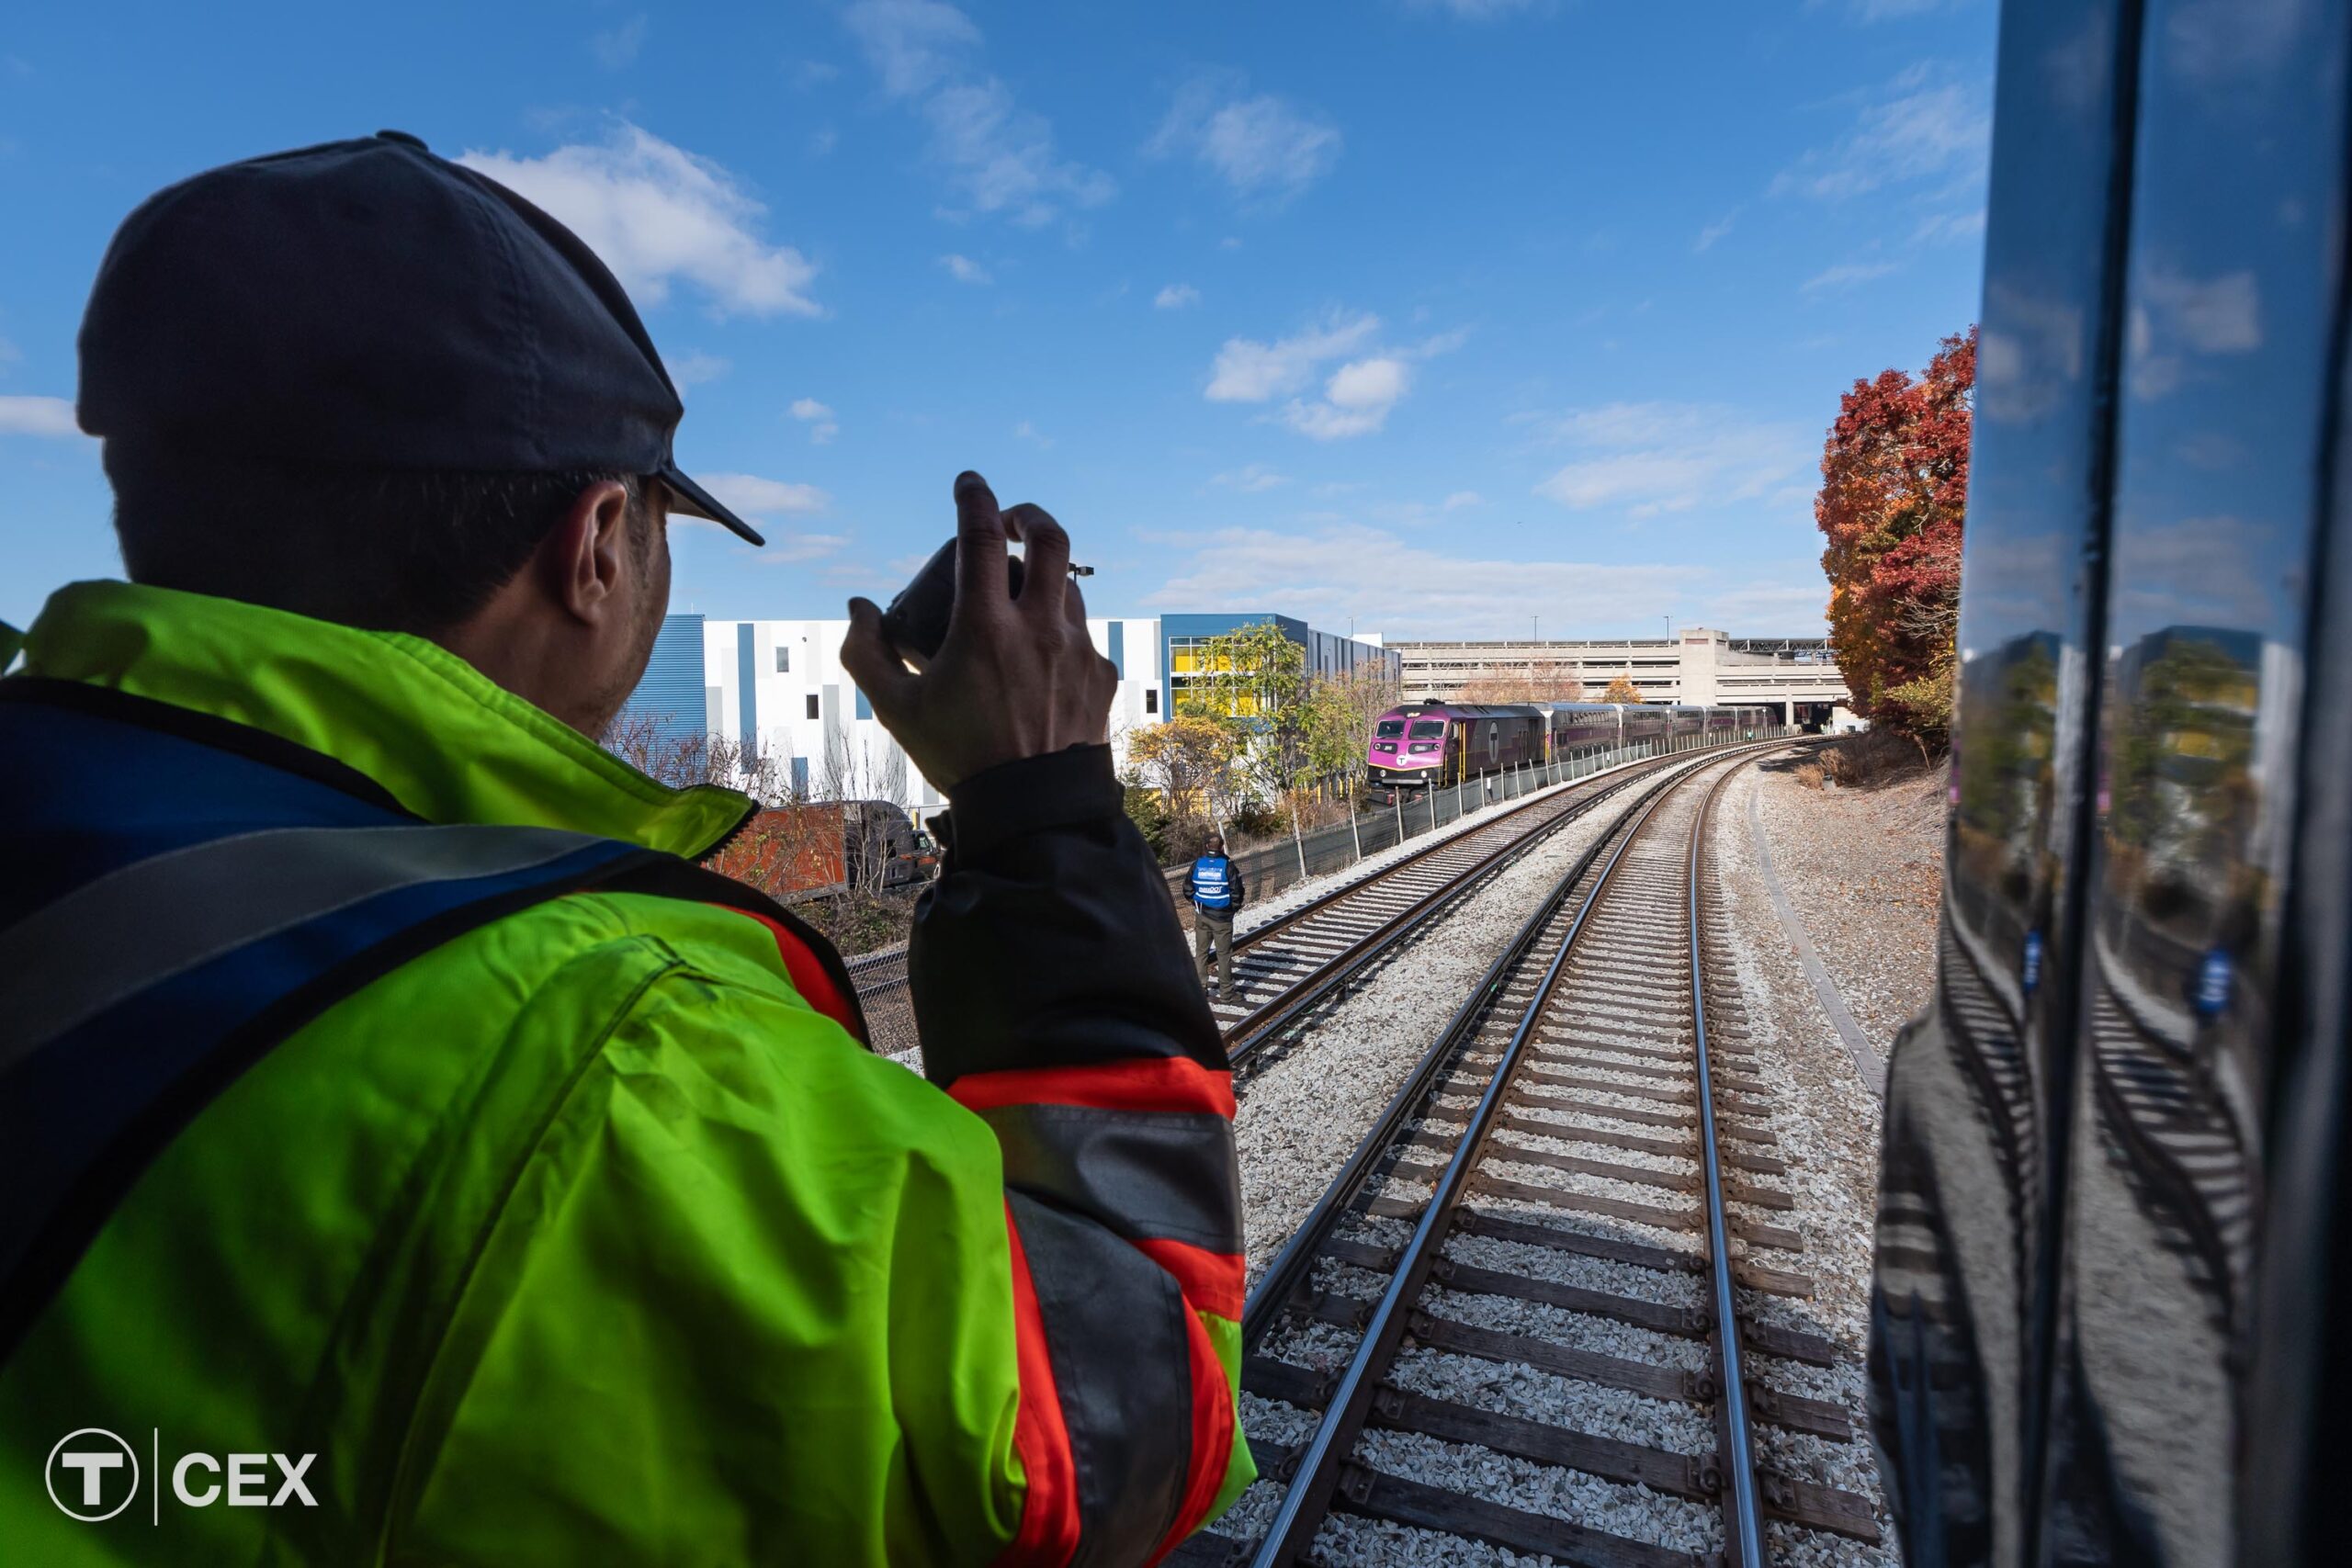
(2110,1289)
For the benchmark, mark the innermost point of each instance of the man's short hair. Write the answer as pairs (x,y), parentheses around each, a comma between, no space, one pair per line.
(384,549)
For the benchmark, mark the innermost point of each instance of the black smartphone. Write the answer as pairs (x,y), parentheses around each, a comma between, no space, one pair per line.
(916,621)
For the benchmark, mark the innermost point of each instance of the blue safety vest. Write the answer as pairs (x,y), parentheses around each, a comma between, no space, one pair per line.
(1213,883)
(183,894)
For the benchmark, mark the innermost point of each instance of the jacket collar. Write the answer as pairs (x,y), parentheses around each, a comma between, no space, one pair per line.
(445,740)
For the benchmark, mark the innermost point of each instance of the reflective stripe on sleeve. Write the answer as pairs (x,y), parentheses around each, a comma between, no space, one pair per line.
(1119,1340)
(1143,1083)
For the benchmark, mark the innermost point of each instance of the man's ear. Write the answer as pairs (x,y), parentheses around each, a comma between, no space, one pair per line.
(586,555)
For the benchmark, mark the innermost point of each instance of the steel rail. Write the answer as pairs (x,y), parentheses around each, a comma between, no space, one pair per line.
(1252,1033)
(1292,1265)
(1742,1509)
(1307,1501)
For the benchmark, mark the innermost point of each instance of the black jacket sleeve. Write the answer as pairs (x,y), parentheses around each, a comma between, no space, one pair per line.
(1049,939)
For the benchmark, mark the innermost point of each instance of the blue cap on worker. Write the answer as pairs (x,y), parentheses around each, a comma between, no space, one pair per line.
(366,302)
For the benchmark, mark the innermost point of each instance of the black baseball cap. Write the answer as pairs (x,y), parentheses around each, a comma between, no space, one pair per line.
(368,303)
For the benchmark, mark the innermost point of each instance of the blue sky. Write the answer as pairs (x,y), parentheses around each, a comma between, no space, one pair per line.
(1430,315)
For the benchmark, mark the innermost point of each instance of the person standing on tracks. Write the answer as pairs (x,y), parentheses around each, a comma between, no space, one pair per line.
(384,1087)
(1216,888)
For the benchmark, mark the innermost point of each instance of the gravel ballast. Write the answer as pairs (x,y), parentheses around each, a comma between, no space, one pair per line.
(1303,1113)
(1862,868)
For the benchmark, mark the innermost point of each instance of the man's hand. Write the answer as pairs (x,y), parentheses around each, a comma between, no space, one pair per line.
(1015,678)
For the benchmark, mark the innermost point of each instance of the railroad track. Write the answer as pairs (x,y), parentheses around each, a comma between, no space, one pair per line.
(1567,1204)
(1284,968)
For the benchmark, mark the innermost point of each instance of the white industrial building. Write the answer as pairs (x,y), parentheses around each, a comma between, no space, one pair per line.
(782,685)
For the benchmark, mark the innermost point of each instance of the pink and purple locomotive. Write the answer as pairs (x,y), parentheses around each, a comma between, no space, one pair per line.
(1418,744)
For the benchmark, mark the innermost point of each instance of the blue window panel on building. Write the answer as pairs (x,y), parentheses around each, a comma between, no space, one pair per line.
(800,775)
(1119,647)
(672,693)
(865,708)
(747,673)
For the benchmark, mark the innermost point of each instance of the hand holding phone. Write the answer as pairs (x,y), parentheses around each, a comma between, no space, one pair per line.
(1011,673)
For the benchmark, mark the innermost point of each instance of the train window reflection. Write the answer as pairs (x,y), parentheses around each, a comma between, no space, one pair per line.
(1427,728)
(1390,728)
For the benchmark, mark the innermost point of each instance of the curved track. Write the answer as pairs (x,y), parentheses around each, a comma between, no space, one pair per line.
(1284,967)
(1581,1145)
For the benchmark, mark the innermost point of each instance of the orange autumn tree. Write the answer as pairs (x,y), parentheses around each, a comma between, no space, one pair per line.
(1893,492)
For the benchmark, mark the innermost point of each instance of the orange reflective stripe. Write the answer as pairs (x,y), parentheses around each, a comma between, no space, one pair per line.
(1144,1083)
(1212,1282)
(1213,1432)
(1049,1524)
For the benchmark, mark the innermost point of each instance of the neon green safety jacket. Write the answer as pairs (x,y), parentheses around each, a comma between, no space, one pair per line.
(584,1237)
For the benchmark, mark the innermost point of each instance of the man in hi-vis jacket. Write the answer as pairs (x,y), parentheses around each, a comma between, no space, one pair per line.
(386,1089)
(1215,888)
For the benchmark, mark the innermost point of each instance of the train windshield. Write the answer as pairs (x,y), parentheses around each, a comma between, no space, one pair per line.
(1426,728)
(1390,728)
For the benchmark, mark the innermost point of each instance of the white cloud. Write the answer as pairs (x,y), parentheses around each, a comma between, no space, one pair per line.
(786,549)
(2220,315)
(2218,42)
(694,369)
(1356,401)
(1248,371)
(1763,608)
(964,269)
(1357,395)
(1025,430)
(1462,498)
(1252,480)
(2174,315)
(2198,571)
(756,497)
(1001,157)
(2031,358)
(1349,570)
(1847,275)
(1446,343)
(655,213)
(1949,228)
(1911,129)
(818,418)
(37,416)
(1659,457)
(618,47)
(1175,297)
(1261,146)
(1715,230)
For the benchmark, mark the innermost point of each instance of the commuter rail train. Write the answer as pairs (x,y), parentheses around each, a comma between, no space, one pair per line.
(1419,744)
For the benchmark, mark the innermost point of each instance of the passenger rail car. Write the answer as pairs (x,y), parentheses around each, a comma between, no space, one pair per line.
(1421,744)
(2111,1299)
